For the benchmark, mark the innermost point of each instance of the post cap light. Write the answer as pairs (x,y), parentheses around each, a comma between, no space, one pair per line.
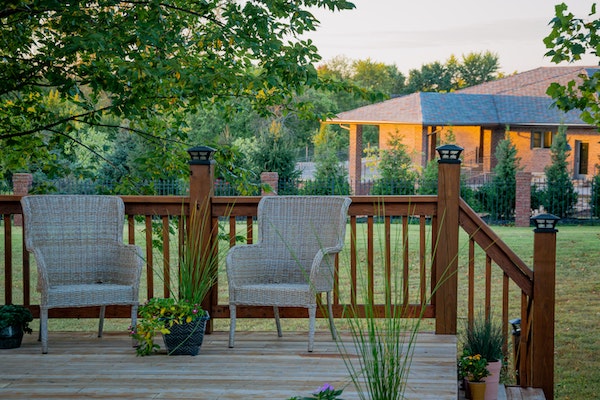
(201,155)
(545,222)
(449,154)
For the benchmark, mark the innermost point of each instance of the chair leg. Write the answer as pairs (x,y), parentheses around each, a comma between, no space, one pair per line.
(44,329)
(330,309)
(277,321)
(232,314)
(101,322)
(134,310)
(312,316)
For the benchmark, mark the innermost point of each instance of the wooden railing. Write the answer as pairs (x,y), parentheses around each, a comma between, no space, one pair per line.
(412,241)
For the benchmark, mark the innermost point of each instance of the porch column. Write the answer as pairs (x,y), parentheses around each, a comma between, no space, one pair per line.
(446,264)
(544,284)
(497,136)
(523,199)
(202,172)
(355,159)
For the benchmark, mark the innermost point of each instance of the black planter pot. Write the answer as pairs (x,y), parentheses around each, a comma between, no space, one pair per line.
(186,339)
(11,337)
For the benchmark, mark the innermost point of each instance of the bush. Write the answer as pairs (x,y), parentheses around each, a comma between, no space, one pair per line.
(560,196)
(395,167)
(595,201)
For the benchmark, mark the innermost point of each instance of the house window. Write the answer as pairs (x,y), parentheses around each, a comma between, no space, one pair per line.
(541,139)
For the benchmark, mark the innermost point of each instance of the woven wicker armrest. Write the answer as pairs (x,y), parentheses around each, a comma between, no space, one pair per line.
(246,262)
(128,264)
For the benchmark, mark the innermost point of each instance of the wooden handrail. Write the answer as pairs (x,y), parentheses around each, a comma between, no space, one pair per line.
(495,248)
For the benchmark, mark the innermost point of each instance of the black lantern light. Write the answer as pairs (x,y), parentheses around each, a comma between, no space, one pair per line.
(449,153)
(545,222)
(201,155)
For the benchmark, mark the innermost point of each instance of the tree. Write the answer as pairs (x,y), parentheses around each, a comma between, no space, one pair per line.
(331,177)
(395,168)
(595,201)
(134,61)
(273,153)
(478,68)
(378,76)
(498,197)
(559,197)
(473,69)
(433,77)
(569,39)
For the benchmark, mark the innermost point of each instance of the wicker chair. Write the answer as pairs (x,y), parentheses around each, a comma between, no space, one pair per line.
(293,259)
(81,259)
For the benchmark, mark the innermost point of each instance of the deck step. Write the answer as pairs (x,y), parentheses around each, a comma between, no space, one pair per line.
(519,393)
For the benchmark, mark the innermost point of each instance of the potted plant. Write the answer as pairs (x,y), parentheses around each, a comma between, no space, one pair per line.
(181,318)
(473,367)
(484,336)
(14,321)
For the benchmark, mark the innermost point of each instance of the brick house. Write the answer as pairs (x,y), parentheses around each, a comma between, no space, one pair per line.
(479,117)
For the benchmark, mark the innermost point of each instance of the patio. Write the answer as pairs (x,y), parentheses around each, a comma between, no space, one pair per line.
(261,366)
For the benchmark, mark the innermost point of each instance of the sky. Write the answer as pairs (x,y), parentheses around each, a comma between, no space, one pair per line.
(410,33)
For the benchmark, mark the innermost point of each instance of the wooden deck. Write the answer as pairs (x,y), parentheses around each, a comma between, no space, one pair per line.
(261,366)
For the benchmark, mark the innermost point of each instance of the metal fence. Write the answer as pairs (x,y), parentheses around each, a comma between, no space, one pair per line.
(6,187)
(575,204)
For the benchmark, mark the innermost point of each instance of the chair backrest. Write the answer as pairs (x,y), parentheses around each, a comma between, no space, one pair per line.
(74,233)
(295,228)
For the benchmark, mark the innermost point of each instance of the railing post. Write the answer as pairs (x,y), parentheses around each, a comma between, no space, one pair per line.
(446,265)
(544,284)
(202,174)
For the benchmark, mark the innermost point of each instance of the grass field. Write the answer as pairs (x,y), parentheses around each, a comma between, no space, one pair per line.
(577,354)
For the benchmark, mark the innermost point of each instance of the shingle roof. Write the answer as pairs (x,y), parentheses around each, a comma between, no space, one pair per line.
(529,83)
(408,108)
(518,99)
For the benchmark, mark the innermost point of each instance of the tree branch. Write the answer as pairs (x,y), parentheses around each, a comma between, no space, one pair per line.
(48,127)
(83,145)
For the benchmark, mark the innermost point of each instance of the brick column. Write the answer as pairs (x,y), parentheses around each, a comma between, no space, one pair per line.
(271,179)
(523,199)
(21,185)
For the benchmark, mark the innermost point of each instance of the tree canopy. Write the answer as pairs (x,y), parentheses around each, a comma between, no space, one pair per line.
(68,67)
(569,39)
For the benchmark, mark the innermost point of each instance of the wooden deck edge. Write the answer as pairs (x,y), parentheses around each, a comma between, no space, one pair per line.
(520,393)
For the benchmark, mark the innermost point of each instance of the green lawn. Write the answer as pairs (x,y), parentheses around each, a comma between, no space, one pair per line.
(577,374)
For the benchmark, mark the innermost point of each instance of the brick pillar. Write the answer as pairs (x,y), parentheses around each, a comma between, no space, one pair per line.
(523,199)
(355,158)
(271,179)
(21,185)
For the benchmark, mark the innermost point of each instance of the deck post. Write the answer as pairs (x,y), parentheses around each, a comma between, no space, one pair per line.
(542,325)
(202,174)
(446,265)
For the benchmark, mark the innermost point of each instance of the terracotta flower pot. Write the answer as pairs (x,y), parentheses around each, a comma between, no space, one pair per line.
(477,390)
(493,380)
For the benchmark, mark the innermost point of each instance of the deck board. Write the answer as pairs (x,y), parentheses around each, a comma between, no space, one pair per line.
(261,366)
